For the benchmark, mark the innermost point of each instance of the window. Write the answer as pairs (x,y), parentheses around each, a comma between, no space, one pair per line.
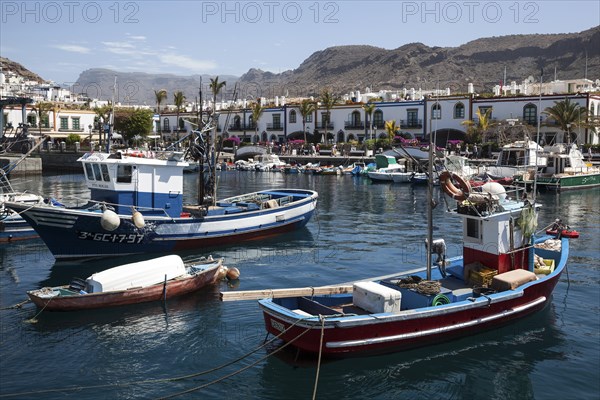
(124,173)
(378,119)
(436,111)
(89,172)
(32,120)
(64,122)
(309,118)
(412,117)
(166,126)
(293,117)
(105,174)
(459,111)
(530,114)
(75,123)
(97,173)
(473,228)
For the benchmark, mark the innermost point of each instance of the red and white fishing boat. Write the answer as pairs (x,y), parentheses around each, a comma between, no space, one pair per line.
(506,272)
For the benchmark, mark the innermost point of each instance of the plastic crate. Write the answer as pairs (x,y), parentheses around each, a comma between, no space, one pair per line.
(482,277)
(547,269)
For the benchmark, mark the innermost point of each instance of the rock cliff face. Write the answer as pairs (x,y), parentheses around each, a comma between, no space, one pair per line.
(481,62)
(9,65)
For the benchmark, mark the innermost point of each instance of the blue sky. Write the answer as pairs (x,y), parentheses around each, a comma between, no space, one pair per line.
(60,39)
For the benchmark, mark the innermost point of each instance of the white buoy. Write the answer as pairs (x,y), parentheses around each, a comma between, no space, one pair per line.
(495,188)
(110,220)
(138,219)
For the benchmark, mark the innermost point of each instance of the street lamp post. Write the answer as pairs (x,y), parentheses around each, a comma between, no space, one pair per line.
(90,128)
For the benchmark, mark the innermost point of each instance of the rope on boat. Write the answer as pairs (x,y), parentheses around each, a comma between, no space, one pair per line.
(18,305)
(178,378)
(319,359)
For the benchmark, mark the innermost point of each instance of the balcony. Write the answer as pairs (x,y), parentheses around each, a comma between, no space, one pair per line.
(354,125)
(241,127)
(321,125)
(275,126)
(411,124)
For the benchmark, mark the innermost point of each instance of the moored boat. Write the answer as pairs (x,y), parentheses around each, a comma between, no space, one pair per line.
(483,289)
(136,207)
(156,279)
(505,273)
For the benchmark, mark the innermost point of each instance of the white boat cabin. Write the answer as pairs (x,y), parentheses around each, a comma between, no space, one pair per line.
(153,184)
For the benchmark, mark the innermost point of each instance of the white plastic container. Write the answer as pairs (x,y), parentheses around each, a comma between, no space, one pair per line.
(376,298)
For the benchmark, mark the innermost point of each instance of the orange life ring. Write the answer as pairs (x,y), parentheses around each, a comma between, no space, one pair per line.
(459,193)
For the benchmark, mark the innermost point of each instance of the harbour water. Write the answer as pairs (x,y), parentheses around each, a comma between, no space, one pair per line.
(360,230)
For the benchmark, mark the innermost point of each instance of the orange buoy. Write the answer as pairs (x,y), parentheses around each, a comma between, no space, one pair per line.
(459,193)
(233,273)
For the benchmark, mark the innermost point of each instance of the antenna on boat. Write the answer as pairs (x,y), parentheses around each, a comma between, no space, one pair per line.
(111,120)
(537,139)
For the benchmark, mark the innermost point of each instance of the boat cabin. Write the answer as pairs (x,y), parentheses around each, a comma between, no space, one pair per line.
(492,232)
(153,185)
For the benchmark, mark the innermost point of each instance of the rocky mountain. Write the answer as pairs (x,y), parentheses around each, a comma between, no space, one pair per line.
(347,68)
(482,62)
(9,65)
(139,87)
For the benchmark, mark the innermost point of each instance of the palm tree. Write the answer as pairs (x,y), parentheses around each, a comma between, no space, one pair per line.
(160,95)
(307,107)
(369,109)
(178,100)
(257,110)
(567,115)
(328,99)
(483,125)
(215,88)
(42,111)
(391,128)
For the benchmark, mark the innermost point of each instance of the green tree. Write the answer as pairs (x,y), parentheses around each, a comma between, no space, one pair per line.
(42,109)
(178,100)
(307,107)
(160,96)
(477,130)
(391,128)
(133,122)
(369,109)
(257,109)
(328,100)
(568,115)
(215,88)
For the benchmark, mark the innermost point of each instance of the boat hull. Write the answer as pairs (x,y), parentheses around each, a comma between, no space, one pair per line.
(173,288)
(78,233)
(344,336)
(14,228)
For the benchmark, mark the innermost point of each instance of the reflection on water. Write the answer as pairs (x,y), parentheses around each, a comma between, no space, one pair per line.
(359,230)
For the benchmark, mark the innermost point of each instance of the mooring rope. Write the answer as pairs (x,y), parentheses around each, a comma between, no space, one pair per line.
(18,305)
(241,369)
(172,379)
(319,359)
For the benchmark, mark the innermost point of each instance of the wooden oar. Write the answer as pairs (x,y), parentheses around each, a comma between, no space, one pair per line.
(290,292)
(305,291)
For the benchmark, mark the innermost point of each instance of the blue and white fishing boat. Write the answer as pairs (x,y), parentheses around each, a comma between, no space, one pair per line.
(136,206)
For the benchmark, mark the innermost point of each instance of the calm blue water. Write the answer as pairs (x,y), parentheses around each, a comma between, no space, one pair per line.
(360,230)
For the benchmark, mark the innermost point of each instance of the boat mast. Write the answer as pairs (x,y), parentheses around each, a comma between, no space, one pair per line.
(201,182)
(111,120)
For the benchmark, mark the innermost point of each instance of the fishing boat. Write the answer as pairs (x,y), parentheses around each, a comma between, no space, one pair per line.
(518,158)
(386,166)
(151,280)
(565,169)
(136,207)
(12,226)
(506,272)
